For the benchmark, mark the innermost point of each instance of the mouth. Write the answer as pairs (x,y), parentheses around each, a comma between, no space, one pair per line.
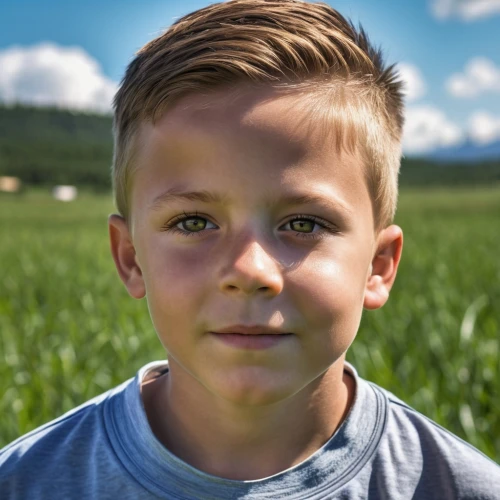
(251,330)
(252,341)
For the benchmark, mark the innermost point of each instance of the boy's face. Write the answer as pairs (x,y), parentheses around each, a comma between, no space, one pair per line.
(244,260)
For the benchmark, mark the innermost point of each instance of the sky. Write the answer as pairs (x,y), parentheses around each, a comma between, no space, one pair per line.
(73,54)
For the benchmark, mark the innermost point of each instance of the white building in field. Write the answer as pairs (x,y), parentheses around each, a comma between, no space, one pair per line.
(65,193)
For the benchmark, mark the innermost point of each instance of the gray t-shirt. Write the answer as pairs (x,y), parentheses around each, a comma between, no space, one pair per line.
(105,449)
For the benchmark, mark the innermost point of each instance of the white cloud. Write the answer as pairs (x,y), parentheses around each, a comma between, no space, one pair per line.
(47,74)
(479,75)
(428,128)
(467,10)
(414,83)
(484,128)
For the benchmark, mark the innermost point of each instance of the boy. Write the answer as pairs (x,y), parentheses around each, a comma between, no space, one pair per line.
(257,148)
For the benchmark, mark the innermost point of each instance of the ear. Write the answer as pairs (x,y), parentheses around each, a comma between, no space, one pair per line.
(123,251)
(384,267)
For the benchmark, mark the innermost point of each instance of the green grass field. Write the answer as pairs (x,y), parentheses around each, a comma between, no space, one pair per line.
(69,330)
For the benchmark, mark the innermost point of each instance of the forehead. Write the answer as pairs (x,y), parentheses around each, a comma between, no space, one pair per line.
(262,116)
(248,142)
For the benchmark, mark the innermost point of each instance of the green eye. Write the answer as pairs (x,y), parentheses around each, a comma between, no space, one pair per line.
(194,223)
(300,224)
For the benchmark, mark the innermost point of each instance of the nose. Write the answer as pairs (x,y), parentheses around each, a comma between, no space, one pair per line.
(250,269)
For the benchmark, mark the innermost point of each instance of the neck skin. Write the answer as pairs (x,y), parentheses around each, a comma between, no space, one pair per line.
(242,443)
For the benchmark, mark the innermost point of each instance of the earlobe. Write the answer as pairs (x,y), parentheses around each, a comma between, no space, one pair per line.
(384,267)
(123,251)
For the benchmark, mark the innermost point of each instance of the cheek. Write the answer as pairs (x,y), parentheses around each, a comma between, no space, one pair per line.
(172,271)
(330,295)
(174,280)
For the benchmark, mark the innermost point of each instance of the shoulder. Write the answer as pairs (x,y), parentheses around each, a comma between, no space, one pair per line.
(446,466)
(56,448)
(29,443)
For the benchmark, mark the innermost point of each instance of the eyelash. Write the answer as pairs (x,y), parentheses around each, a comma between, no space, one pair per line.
(325,226)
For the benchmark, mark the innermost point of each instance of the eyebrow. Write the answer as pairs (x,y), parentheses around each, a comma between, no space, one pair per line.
(172,195)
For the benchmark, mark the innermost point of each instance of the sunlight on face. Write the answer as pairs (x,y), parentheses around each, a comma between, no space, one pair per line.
(239,216)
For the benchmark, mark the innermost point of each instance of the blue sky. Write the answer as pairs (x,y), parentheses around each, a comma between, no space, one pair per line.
(432,40)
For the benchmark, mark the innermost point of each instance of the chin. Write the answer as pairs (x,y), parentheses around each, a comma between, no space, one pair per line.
(254,387)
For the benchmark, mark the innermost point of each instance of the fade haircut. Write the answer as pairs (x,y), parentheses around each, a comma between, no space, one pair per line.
(290,45)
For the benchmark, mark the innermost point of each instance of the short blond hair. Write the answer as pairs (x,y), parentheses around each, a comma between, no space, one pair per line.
(289,45)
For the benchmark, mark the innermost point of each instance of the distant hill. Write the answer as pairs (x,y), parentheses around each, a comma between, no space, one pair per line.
(422,172)
(48,146)
(468,152)
(53,124)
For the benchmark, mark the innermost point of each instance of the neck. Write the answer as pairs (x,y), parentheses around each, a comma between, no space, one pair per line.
(243,443)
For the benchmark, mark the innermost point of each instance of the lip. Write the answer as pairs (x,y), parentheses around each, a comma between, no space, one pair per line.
(251,330)
(251,336)
(251,341)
